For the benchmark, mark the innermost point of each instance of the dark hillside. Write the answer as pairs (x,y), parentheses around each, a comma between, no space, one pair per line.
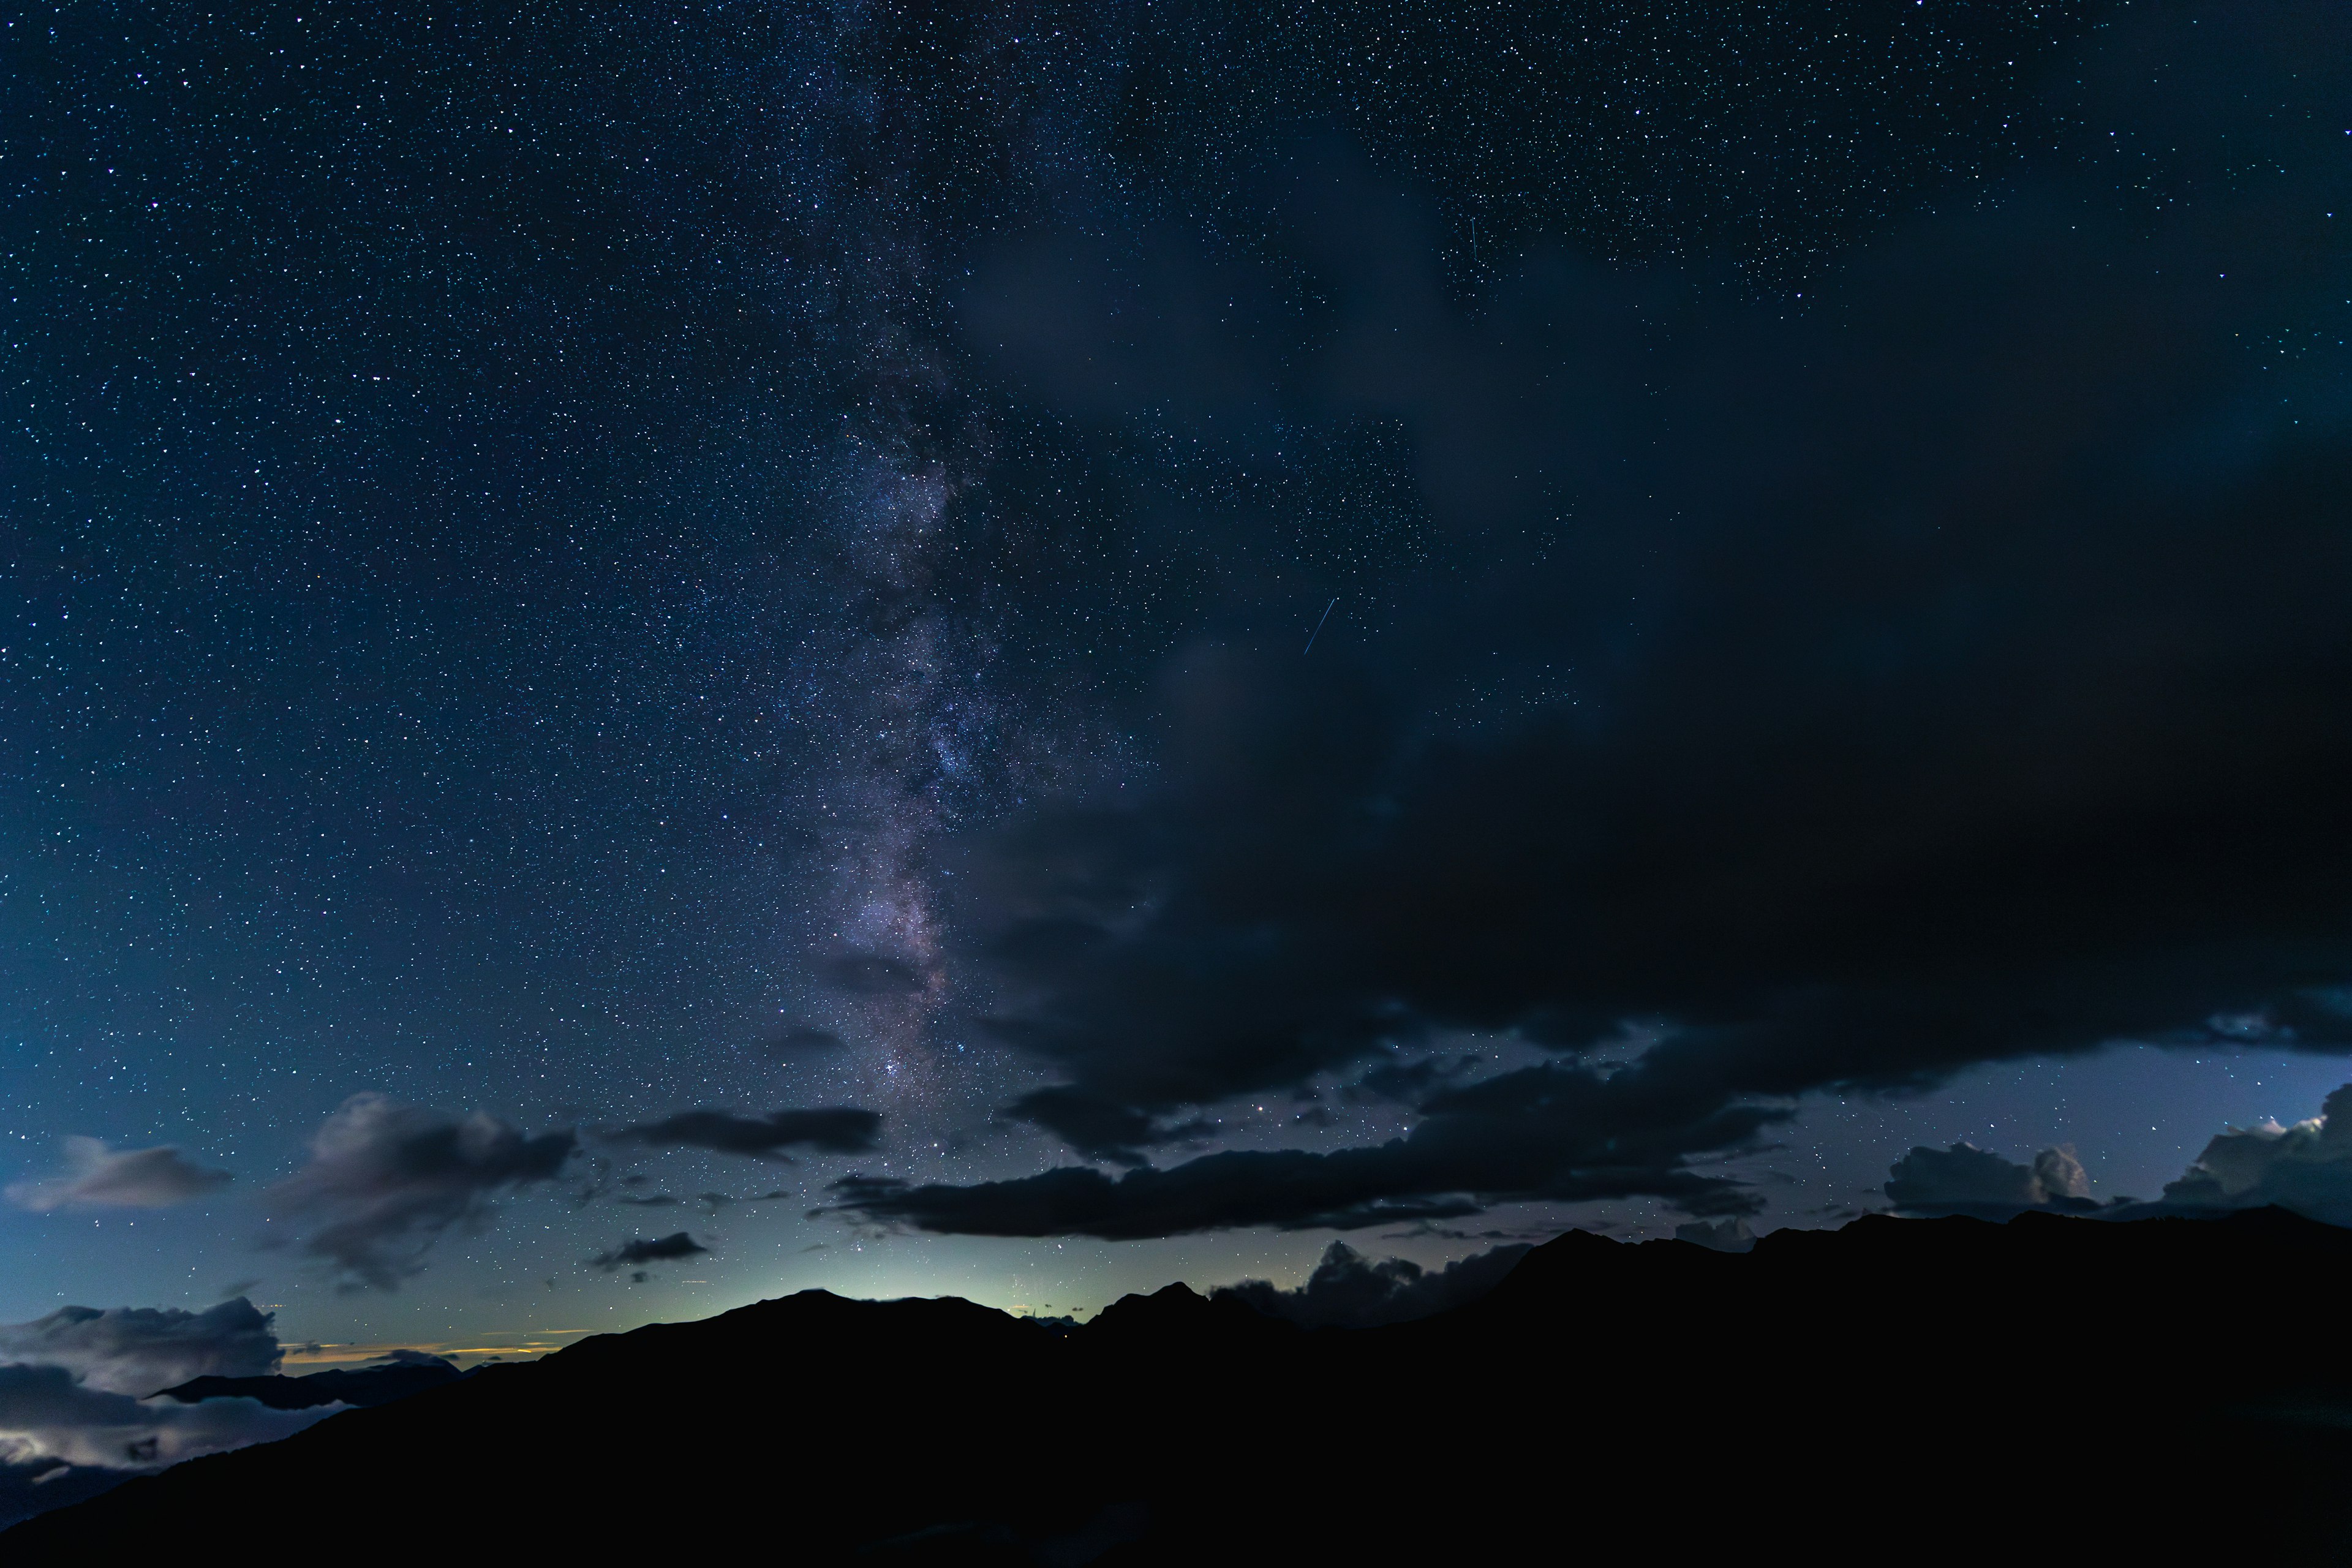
(1916,1389)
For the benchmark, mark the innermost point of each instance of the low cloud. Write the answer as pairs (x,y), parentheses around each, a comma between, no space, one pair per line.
(2306,1167)
(46,1415)
(99,1177)
(136,1351)
(387,1179)
(1351,1290)
(76,1411)
(636,1253)
(835,1130)
(1965,1179)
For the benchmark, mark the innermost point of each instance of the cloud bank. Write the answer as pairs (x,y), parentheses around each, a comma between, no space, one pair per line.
(1948,668)
(46,1415)
(75,1411)
(2307,1168)
(136,1351)
(1965,1179)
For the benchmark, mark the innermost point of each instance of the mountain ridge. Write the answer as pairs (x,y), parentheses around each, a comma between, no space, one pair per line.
(1864,1368)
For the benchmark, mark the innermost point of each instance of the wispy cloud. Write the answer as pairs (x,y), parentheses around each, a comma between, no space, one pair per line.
(99,1177)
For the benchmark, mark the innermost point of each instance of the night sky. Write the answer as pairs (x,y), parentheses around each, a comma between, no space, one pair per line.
(647,619)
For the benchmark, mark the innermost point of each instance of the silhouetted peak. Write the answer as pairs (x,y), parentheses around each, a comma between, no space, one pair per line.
(366,1386)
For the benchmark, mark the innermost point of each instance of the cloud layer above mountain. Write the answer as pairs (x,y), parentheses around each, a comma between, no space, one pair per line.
(75,1411)
(139,1350)
(46,1415)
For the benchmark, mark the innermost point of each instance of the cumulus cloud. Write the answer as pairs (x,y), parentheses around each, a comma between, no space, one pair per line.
(385,1180)
(136,1351)
(2306,1167)
(99,1177)
(1965,1179)
(1351,1290)
(837,1130)
(636,1253)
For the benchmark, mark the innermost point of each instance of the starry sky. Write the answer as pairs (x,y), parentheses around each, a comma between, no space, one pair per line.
(565,568)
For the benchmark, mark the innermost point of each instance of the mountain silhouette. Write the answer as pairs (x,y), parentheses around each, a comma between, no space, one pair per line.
(359,1387)
(1908,1389)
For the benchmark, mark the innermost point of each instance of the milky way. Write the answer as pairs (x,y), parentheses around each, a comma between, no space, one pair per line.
(546,555)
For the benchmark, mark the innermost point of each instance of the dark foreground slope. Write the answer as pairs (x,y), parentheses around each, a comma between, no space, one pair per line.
(1926,1390)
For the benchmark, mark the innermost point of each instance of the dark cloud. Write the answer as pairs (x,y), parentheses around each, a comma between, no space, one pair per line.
(1947,667)
(2306,1167)
(100,1177)
(1965,1179)
(135,1350)
(1351,1290)
(634,1252)
(1560,1132)
(838,1130)
(385,1180)
(1099,1127)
